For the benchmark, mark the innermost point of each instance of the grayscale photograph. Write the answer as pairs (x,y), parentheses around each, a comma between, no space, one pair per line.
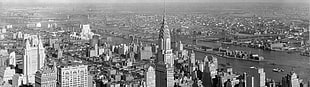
(154,43)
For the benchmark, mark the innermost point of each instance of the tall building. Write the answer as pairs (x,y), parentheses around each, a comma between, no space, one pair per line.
(291,80)
(74,76)
(8,74)
(34,57)
(123,49)
(226,75)
(164,75)
(46,77)
(86,33)
(164,50)
(4,57)
(209,70)
(12,59)
(93,51)
(180,46)
(165,61)
(192,62)
(256,78)
(150,77)
(261,78)
(94,41)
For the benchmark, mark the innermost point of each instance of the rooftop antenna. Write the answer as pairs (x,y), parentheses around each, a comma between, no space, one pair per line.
(164,14)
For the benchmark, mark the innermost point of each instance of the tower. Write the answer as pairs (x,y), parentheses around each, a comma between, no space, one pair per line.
(12,58)
(150,77)
(210,65)
(34,57)
(164,42)
(192,61)
(164,62)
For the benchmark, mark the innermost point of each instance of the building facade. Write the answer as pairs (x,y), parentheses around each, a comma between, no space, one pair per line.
(46,77)
(74,76)
(165,61)
(34,57)
(150,77)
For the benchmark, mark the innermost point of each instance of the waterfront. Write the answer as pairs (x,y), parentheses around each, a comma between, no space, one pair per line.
(288,62)
(273,59)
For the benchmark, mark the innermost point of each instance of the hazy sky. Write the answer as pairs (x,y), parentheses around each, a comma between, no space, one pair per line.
(145,1)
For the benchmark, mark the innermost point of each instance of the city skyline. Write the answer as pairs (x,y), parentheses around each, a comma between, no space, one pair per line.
(148,43)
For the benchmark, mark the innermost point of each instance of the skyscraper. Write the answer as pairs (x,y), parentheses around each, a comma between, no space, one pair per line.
(192,61)
(164,50)
(256,78)
(209,71)
(165,61)
(86,33)
(150,77)
(291,80)
(34,57)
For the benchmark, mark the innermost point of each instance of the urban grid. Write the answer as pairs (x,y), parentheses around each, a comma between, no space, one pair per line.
(154,43)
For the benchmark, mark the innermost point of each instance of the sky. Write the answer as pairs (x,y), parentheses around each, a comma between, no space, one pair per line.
(143,1)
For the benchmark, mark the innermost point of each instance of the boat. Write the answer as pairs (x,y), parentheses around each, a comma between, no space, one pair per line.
(277,70)
(223,53)
(253,67)
(248,59)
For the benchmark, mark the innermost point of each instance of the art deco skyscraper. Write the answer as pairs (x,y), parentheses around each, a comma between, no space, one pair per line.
(164,42)
(165,61)
(34,57)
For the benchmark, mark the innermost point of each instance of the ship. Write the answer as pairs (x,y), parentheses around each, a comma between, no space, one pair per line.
(252,57)
(225,53)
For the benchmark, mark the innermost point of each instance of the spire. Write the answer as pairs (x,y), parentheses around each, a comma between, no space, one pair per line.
(164,31)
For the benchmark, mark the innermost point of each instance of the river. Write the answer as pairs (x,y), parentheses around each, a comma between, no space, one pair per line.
(288,62)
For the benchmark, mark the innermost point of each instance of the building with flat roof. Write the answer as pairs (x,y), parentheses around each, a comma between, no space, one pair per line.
(74,76)
(150,77)
(46,77)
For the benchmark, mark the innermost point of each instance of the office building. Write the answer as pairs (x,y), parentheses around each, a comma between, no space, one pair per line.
(4,57)
(9,72)
(165,61)
(209,71)
(150,77)
(46,77)
(94,41)
(291,80)
(256,78)
(74,76)
(86,33)
(34,57)
(12,59)
(180,46)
